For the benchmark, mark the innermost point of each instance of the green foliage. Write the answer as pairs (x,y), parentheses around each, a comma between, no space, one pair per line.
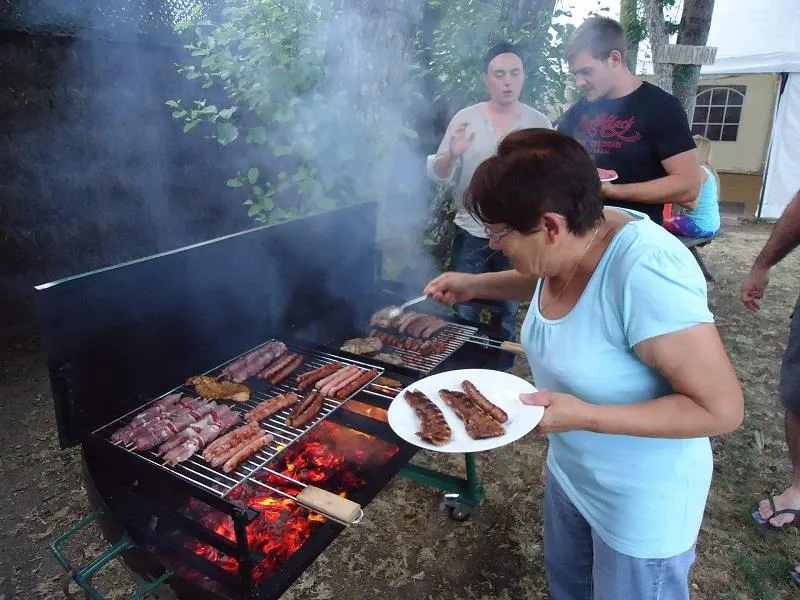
(466,31)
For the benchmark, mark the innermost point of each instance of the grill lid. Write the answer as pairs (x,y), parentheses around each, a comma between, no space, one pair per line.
(121,335)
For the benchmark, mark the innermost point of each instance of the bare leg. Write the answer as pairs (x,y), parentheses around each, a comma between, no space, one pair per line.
(790,498)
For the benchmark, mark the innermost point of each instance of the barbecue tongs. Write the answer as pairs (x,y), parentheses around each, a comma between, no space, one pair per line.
(396,311)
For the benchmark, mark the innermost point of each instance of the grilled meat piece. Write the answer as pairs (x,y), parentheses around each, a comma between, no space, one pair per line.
(276,365)
(433,425)
(478,424)
(351,387)
(210,388)
(382,318)
(326,385)
(306,380)
(392,359)
(223,456)
(290,368)
(269,407)
(246,451)
(196,436)
(482,402)
(309,413)
(368,345)
(230,440)
(248,365)
(388,382)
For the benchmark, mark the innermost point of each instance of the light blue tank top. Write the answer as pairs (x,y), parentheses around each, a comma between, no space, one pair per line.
(706,215)
(644,497)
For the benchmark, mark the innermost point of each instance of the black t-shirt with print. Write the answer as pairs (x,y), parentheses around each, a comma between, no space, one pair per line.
(631,135)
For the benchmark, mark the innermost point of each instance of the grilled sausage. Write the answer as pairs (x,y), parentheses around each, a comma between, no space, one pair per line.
(338,377)
(305,417)
(276,366)
(482,402)
(332,377)
(334,389)
(246,451)
(222,457)
(230,440)
(290,368)
(323,371)
(356,384)
(269,407)
(301,406)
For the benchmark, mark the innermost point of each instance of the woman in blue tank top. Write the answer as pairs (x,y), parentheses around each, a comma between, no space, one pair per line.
(701,220)
(630,367)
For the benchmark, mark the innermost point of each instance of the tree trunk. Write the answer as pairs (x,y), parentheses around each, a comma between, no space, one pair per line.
(657,30)
(531,15)
(695,24)
(634,31)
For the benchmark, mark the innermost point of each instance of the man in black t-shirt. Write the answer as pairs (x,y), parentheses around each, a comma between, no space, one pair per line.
(629,126)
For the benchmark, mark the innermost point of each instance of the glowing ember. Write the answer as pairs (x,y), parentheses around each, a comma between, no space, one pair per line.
(333,457)
(362,408)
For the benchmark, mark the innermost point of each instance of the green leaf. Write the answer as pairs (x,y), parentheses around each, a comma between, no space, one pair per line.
(268,203)
(252,175)
(278,151)
(234,183)
(258,190)
(191,125)
(208,110)
(256,135)
(226,133)
(173,104)
(254,210)
(227,113)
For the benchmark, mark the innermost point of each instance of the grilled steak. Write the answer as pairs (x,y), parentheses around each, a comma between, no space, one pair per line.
(368,345)
(382,318)
(388,358)
(478,424)
(433,425)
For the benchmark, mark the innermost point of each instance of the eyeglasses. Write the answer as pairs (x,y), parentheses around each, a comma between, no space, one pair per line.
(496,237)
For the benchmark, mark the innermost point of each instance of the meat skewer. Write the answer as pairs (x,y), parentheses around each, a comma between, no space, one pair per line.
(185,404)
(269,407)
(290,368)
(200,437)
(247,451)
(163,431)
(433,425)
(158,408)
(250,364)
(482,402)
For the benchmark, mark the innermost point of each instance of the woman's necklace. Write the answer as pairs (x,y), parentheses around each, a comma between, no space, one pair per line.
(571,273)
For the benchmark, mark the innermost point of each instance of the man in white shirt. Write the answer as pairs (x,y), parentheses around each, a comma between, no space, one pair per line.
(472,136)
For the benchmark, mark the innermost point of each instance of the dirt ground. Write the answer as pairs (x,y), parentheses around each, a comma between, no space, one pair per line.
(406,547)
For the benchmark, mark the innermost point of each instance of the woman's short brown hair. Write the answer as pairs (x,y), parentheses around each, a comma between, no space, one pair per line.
(536,171)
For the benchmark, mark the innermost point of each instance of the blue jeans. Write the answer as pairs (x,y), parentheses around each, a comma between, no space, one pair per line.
(472,255)
(580,566)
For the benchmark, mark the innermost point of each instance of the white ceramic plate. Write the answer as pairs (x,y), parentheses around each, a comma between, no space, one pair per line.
(501,388)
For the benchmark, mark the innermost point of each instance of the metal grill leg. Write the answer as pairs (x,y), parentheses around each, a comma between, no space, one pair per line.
(461,497)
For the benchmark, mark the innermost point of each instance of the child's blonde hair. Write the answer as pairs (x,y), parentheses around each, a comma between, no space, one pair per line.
(704,153)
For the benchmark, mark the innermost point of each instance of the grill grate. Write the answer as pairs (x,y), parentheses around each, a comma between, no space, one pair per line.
(453,334)
(200,473)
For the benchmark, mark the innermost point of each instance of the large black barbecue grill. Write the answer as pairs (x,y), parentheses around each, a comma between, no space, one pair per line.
(119,338)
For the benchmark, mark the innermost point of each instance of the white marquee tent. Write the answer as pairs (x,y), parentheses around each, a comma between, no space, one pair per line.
(764,37)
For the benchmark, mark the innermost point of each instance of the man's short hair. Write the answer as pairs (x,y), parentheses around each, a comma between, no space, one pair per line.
(600,36)
(498,49)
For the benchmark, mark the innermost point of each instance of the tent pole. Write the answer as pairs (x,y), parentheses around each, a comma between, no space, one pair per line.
(783,78)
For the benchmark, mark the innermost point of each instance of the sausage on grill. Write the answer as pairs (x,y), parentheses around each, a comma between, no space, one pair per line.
(290,368)
(269,407)
(230,440)
(311,411)
(246,451)
(276,365)
(334,389)
(357,384)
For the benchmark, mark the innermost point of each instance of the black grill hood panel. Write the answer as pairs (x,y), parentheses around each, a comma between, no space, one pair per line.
(117,336)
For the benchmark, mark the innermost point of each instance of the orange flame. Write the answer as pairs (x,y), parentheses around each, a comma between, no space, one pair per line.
(333,455)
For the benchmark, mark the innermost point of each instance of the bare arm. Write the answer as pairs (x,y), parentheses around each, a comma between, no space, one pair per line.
(680,185)
(784,238)
(443,164)
(708,398)
(505,285)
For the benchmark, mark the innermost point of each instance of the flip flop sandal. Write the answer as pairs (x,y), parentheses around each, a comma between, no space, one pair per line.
(765,523)
(794,575)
